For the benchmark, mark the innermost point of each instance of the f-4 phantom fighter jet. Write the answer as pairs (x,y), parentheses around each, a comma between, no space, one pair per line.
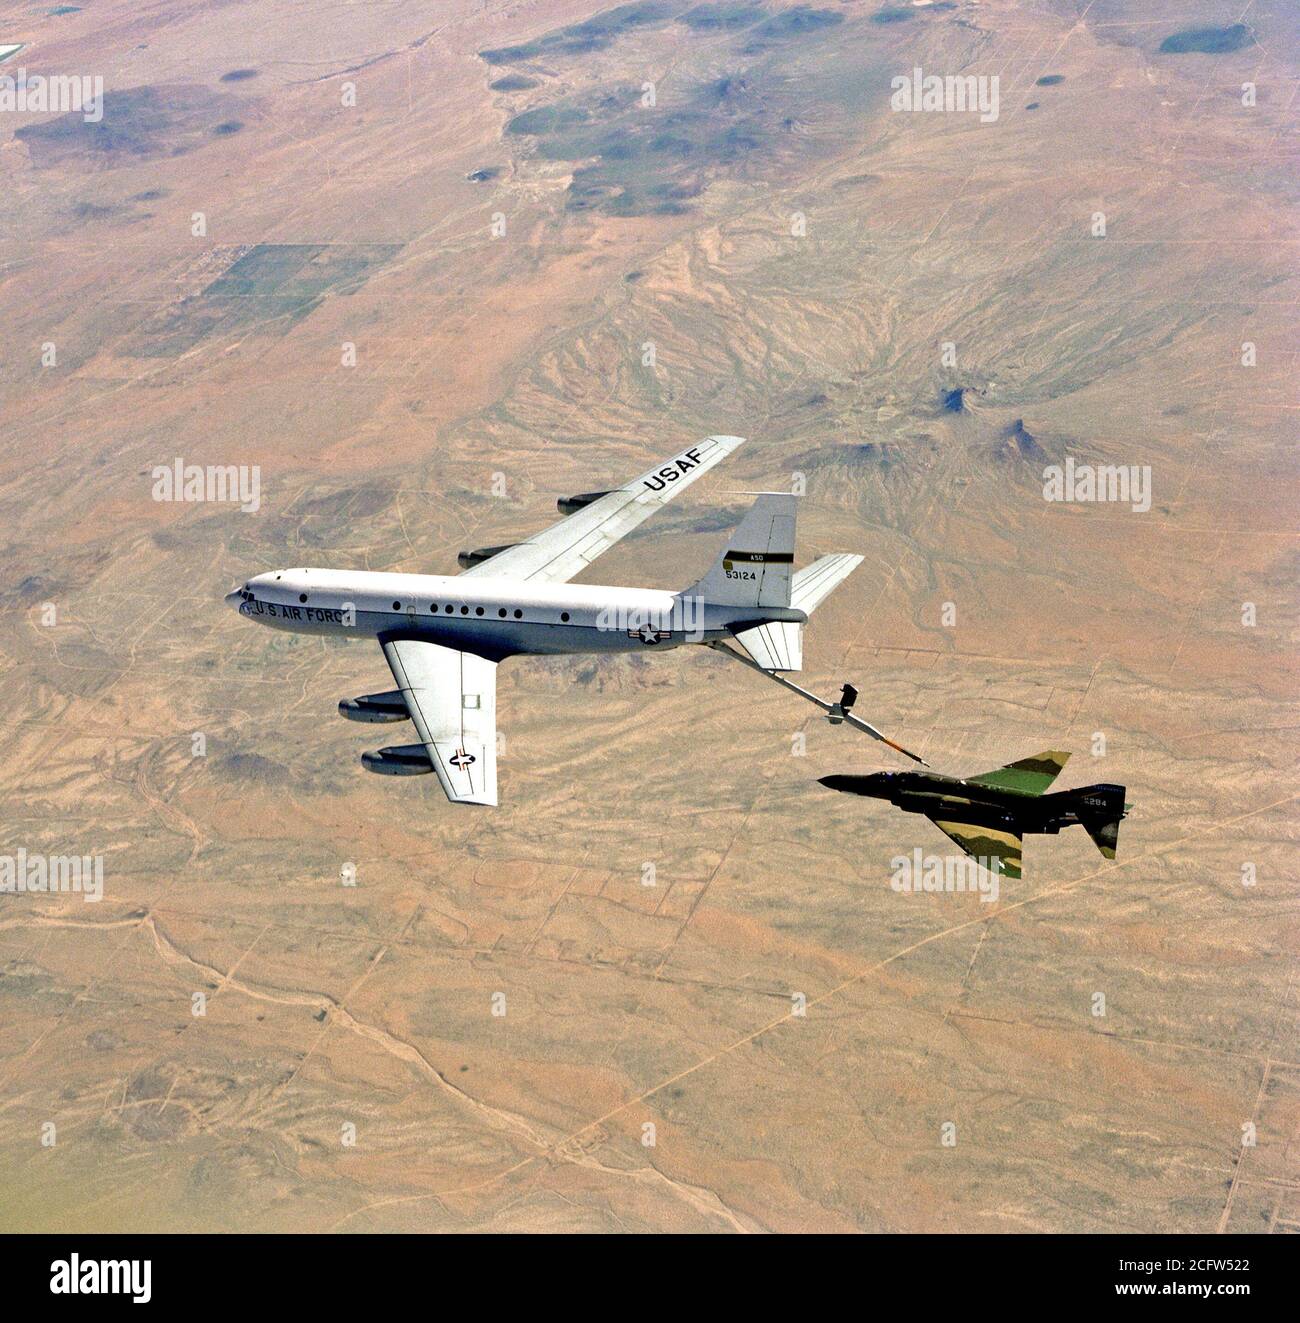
(988,815)
(443,636)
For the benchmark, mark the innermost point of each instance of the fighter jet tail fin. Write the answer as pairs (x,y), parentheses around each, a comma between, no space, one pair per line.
(1101,809)
(1031,775)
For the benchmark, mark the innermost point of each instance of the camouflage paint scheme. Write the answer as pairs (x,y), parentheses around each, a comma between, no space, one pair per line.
(988,815)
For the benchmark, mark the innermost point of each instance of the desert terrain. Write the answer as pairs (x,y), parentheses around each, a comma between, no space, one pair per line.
(432,266)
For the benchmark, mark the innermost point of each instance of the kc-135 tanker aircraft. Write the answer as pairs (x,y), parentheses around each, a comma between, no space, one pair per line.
(443,636)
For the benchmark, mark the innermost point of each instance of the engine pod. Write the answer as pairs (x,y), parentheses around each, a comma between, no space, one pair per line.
(568,505)
(468,559)
(398,760)
(375,707)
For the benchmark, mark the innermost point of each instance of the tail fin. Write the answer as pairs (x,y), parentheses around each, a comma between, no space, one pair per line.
(778,645)
(1101,809)
(756,566)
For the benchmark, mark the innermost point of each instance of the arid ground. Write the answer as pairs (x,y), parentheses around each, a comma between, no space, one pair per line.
(430,266)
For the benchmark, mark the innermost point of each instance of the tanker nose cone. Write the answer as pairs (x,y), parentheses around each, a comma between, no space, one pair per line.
(233,598)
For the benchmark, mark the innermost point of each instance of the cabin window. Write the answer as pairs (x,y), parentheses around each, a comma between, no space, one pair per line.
(519,615)
(478,610)
(464,610)
(433,606)
(449,608)
(564,615)
(397,606)
(302,597)
(502,612)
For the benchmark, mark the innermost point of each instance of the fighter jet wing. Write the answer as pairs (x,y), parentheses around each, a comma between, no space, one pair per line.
(985,843)
(1030,775)
(567,548)
(452,699)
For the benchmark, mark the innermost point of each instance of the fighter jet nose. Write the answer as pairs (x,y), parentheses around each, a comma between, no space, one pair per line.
(872,785)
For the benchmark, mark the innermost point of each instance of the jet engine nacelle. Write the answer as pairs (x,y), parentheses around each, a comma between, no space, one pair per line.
(468,559)
(568,505)
(398,760)
(375,707)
